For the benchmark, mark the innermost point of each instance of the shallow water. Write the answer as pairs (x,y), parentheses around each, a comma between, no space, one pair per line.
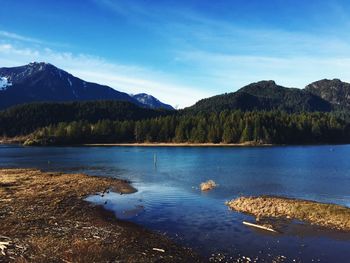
(170,202)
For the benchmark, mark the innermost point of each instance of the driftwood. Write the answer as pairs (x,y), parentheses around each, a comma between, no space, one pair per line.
(158,249)
(3,246)
(259,226)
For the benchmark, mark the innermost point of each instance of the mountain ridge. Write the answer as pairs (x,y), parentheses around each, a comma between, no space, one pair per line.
(267,95)
(335,91)
(44,82)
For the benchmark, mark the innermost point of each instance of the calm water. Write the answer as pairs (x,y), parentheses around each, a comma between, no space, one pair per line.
(169,201)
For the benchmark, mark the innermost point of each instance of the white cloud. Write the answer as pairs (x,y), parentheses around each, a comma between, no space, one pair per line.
(126,78)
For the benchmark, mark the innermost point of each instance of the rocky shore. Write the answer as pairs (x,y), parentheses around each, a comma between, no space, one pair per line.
(326,215)
(44,218)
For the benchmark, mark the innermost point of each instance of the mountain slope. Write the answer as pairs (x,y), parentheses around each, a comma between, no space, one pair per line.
(334,91)
(151,102)
(43,82)
(264,95)
(26,118)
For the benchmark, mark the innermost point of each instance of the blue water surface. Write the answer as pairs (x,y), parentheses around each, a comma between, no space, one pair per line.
(169,201)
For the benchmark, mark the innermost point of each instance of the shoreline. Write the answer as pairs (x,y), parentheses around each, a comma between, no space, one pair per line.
(180,144)
(21,140)
(45,218)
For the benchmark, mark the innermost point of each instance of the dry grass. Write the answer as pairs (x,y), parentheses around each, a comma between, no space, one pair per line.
(208,185)
(326,215)
(46,219)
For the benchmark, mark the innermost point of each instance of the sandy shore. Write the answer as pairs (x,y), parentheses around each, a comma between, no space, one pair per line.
(326,215)
(13,140)
(44,218)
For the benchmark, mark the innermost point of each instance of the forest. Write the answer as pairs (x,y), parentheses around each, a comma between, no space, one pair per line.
(24,119)
(123,122)
(259,127)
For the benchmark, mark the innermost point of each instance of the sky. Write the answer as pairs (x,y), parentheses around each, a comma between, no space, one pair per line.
(181,51)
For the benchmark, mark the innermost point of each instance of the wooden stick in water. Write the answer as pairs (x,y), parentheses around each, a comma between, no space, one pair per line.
(155,159)
(259,226)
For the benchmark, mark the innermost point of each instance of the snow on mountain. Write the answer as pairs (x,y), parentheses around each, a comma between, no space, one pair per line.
(4,83)
(151,102)
(41,81)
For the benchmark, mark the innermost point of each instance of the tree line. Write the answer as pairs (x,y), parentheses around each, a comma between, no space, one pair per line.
(260,127)
(24,119)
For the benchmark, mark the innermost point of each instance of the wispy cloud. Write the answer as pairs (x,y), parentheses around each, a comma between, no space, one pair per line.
(14,36)
(225,55)
(125,8)
(191,29)
(234,71)
(127,78)
(10,37)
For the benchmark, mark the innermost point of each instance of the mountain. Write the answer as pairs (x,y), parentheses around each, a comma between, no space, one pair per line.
(151,102)
(264,95)
(334,91)
(43,82)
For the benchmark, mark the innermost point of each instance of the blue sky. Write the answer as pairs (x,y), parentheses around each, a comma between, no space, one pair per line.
(181,51)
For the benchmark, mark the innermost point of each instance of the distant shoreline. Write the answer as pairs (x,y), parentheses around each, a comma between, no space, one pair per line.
(21,139)
(13,140)
(180,144)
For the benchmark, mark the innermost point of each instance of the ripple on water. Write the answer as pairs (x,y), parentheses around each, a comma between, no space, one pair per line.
(187,216)
(169,200)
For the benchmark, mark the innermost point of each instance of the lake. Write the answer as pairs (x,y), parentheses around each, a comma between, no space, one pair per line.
(168,199)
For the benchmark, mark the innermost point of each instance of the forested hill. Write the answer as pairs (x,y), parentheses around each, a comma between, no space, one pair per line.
(24,119)
(264,95)
(261,112)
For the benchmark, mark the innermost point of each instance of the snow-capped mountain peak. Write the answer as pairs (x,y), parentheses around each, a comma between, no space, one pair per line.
(151,102)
